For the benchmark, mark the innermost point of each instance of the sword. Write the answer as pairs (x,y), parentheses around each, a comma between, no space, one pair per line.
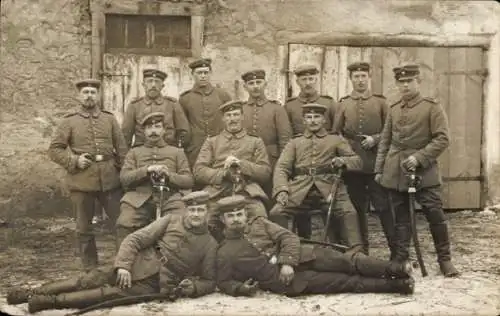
(159,182)
(413,221)
(332,197)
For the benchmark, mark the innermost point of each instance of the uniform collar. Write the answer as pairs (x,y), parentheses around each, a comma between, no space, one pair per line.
(365,95)
(237,135)
(200,230)
(257,101)
(411,102)
(308,98)
(95,112)
(160,144)
(203,90)
(320,134)
(149,101)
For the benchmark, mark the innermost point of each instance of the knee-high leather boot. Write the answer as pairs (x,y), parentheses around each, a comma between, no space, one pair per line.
(87,251)
(79,299)
(20,295)
(375,285)
(373,267)
(441,239)
(402,242)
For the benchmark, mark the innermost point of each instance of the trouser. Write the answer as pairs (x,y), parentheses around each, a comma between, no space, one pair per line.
(432,207)
(91,288)
(84,209)
(255,207)
(344,222)
(132,219)
(330,260)
(335,282)
(362,190)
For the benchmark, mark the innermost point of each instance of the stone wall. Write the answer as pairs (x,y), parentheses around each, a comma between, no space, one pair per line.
(46,46)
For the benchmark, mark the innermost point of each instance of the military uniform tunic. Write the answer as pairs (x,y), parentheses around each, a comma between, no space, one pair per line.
(176,124)
(417,127)
(135,178)
(188,252)
(268,120)
(201,106)
(293,107)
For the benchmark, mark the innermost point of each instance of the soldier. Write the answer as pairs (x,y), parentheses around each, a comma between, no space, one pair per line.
(89,144)
(141,266)
(414,135)
(360,119)
(303,177)
(258,254)
(233,162)
(176,125)
(201,104)
(141,167)
(263,117)
(307,79)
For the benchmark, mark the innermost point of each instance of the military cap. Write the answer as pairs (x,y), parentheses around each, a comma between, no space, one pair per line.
(94,83)
(204,62)
(359,66)
(152,118)
(314,108)
(155,73)
(231,106)
(253,74)
(196,198)
(305,70)
(406,72)
(231,203)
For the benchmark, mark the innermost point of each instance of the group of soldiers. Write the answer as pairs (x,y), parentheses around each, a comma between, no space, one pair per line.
(209,192)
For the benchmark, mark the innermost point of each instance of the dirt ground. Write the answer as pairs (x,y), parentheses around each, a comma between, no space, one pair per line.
(34,250)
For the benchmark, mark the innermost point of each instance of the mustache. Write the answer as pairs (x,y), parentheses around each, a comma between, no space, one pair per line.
(154,134)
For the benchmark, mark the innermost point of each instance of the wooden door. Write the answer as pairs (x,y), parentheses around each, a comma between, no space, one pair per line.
(454,76)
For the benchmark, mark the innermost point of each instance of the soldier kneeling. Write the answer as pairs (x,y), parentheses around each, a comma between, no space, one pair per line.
(148,262)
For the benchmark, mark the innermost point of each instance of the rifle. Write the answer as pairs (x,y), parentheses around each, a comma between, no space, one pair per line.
(331,197)
(130,300)
(412,189)
(159,182)
(338,247)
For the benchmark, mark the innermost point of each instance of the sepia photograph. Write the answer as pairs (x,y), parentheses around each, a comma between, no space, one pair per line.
(250,157)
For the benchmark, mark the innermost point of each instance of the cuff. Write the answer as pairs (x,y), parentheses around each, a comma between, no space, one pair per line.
(422,160)
(280,189)
(288,260)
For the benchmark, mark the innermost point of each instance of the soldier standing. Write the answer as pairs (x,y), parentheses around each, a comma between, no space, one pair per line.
(176,124)
(89,144)
(414,136)
(263,117)
(145,165)
(258,254)
(233,162)
(201,105)
(307,79)
(303,177)
(149,261)
(360,119)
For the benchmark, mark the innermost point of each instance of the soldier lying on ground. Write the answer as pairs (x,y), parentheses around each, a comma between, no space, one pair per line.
(175,251)
(303,177)
(158,159)
(258,254)
(233,162)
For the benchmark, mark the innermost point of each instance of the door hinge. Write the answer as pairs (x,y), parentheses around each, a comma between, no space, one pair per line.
(483,73)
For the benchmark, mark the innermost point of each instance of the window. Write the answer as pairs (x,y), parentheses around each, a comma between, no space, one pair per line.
(165,35)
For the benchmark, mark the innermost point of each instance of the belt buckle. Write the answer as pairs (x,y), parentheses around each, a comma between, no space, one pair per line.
(312,171)
(163,260)
(99,158)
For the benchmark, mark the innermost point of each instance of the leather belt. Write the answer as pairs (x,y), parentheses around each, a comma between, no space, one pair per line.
(312,171)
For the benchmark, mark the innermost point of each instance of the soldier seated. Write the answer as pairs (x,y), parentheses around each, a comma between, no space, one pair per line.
(153,175)
(304,176)
(233,162)
(259,254)
(148,261)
